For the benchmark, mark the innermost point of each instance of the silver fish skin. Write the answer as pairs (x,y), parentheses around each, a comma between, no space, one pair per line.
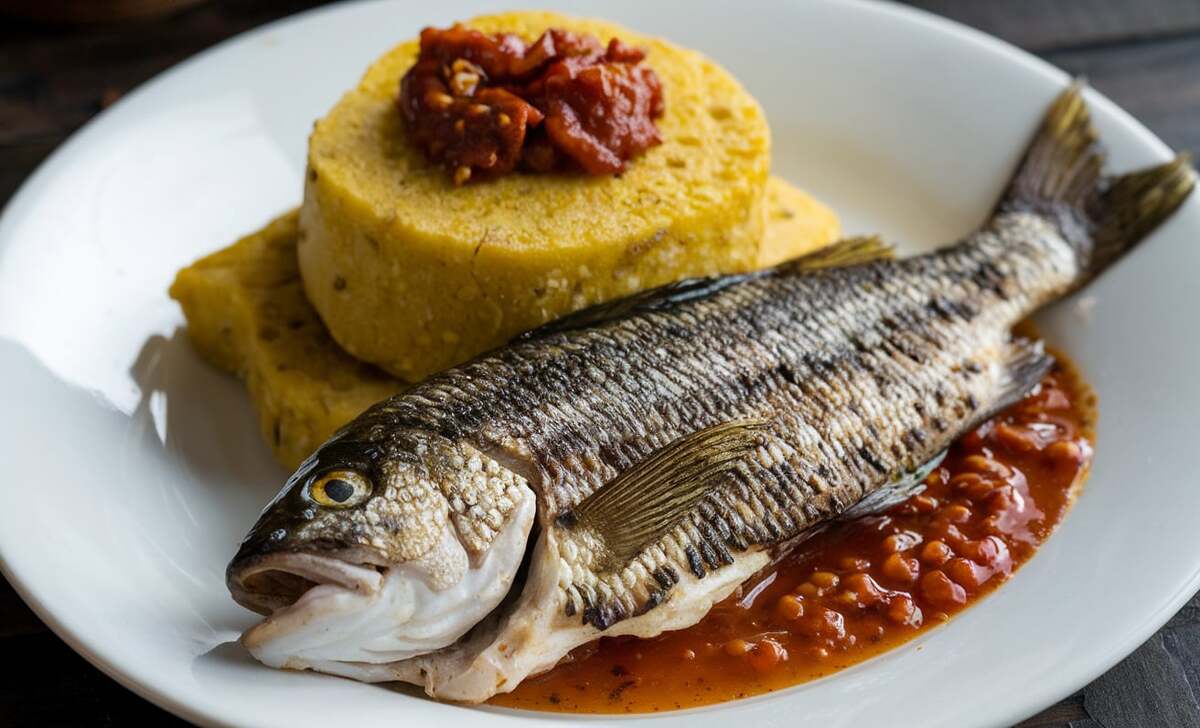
(663,448)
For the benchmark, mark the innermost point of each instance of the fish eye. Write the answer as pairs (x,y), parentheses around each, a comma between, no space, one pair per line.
(340,489)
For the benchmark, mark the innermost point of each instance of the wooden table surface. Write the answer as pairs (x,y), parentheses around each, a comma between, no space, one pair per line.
(1144,54)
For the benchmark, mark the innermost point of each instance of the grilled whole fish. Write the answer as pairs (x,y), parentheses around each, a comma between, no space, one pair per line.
(628,466)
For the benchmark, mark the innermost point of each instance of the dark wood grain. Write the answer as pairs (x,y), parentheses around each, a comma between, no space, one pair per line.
(55,78)
(16,619)
(1145,55)
(48,685)
(1045,26)
(1158,82)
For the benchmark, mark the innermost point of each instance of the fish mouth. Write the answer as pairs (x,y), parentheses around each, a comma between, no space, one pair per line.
(271,582)
(344,611)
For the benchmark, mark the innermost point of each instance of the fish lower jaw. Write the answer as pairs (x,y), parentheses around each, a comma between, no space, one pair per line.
(412,611)
(534,633)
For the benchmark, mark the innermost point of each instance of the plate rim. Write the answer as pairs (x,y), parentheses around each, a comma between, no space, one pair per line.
(1044,695)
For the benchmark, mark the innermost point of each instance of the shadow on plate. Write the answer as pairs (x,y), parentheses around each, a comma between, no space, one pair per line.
(217,664)
(202,417)
(193,441)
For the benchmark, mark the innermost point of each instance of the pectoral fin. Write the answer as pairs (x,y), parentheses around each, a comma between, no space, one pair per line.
(643,503)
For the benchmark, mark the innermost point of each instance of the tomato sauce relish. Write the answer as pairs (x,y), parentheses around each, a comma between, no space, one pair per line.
(485,105)
(858,588)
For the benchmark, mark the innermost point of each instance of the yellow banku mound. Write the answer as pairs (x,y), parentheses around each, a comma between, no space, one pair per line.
(247,314)
(414,274)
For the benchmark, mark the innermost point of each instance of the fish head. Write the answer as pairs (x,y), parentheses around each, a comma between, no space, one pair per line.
(397,541)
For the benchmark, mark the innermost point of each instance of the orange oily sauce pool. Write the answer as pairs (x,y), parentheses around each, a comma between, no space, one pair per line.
(859,588)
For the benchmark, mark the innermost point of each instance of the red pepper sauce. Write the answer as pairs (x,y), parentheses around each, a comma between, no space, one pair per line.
(859,588)
(485,105)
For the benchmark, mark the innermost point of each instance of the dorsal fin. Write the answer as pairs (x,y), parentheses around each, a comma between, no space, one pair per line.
(850,251)
(845,252)
(643,503)
(653,299)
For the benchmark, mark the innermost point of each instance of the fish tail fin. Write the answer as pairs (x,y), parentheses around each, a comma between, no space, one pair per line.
(1060,178)
(1135,204)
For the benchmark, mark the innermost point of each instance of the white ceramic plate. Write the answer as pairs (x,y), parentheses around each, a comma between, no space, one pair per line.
(132,469)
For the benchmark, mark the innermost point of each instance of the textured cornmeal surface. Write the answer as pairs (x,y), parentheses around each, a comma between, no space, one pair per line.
(415,274)
(247,314)
(796,223)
